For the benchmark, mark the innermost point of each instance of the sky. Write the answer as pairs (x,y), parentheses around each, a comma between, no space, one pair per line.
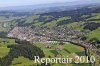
(5,3)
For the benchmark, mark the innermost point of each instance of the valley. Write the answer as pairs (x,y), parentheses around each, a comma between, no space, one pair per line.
(52,34)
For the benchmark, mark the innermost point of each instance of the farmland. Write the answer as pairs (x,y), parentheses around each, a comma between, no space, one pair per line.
(64,50)
(80,26)
(3,46)
(55,50)
(94,34)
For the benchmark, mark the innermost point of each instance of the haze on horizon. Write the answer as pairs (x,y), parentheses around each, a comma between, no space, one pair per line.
(6,3)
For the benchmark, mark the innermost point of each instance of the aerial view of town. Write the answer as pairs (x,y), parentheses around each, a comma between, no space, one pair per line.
(50,33)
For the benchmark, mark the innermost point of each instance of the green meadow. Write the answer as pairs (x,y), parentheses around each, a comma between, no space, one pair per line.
(94,34)
(4,42)
(50,50)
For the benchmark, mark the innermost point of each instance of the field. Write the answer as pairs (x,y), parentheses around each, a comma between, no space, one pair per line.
(21,61)
(3,46)
(6,23)
(94,34)
(65,49)
(78,27)
(49,50)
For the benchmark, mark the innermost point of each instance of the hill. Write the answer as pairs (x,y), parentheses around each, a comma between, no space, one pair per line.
(78,26)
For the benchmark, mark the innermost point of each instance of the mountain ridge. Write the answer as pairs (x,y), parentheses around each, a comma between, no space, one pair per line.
(48,7)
